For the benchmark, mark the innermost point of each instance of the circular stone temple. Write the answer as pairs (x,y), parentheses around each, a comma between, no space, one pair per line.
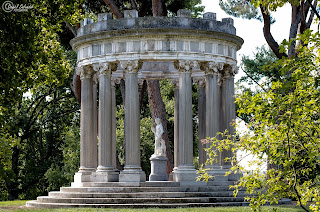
(183,49)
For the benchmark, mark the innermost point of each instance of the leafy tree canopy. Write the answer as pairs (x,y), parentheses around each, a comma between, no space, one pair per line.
(284,131)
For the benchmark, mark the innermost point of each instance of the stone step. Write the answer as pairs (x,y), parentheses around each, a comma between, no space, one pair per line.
(130,184)
(145,189)
(143,194)
(38,204)
(46,199)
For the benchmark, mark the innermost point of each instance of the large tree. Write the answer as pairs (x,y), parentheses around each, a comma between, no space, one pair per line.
(302,16)
(36,101)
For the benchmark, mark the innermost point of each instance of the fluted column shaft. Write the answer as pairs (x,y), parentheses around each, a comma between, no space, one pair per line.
(114,125)
(228,105)
(185,119)
(185,113)
(202,120)
(132,170)
(132,115)
(88,146)
(176,123)
(212,102)
(105,117)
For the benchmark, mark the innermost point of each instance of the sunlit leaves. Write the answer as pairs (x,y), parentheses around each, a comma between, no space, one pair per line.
(284,131)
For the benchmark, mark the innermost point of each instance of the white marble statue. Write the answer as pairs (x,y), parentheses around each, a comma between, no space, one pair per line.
(159,145)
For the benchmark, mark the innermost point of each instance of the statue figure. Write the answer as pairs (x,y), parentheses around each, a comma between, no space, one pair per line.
(159,145)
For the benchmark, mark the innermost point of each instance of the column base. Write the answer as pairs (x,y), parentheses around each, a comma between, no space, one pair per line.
(105,176)
(158,168)
(91,177)
(172,173)
(132,174)
(185,174)
(81,177)
(219,174)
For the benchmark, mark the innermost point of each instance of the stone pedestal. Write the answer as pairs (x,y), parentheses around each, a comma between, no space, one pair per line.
(186,174)
(218,173)
(105,176)
(132,175)
(158,168)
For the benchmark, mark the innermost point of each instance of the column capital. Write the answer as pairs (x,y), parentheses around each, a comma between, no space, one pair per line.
(140,82)
(131,66)
(85,72)
(185,65)
(211,67)
(175,82)
(95,78)
(104,68)
(201,81)
(115,81)
(230,71)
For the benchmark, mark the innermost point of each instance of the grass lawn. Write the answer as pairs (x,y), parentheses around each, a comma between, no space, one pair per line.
(19,205)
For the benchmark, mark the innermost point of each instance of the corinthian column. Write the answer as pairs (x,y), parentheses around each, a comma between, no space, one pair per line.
(88,146)
(212,101)
(201,117)
(175,83)
(132,171)
(114,124)
(186,170)
(228,105)
(105,168)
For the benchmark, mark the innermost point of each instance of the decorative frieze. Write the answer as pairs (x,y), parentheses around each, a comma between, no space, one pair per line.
(158,45)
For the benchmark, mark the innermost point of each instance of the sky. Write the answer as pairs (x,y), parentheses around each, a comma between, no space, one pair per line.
(252,30)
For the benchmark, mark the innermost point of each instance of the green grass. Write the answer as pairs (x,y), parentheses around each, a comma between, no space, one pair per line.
(14,206)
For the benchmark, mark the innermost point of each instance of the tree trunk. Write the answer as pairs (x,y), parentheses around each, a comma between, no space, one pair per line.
(158,110)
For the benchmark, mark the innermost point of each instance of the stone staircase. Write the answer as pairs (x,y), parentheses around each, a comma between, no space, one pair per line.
(142,195)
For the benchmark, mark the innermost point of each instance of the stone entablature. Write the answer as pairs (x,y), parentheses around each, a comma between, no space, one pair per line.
(157,39)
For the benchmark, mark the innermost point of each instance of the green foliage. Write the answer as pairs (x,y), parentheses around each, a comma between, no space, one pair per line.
(145,7)
(62,174)
(284,131)
(240,8)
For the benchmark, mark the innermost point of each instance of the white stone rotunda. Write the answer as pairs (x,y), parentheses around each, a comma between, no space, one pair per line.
(183,49)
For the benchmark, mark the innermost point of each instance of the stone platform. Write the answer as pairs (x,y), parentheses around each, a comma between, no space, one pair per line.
(135,195)
(142,195)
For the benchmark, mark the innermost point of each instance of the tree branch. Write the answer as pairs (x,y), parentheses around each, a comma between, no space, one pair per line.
(255,81)
(113,7)
(134,5)
(295,20)
(313,7)
(311,15)
(71,28)
(158,8)
(268,36)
